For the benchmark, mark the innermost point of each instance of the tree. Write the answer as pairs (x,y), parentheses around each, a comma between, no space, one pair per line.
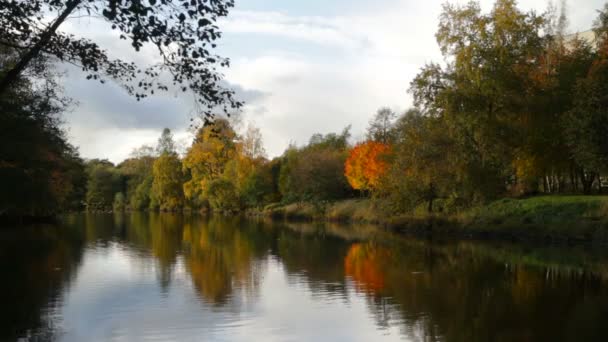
(41,174)
(316,171)
(103,183)
(168,182)
(492,94)
(261,185)
(222,195)
(252,143)
(213,147)
(182,31)
(166,144)
(423,166)
(586,124)
(380,127)
(137,172)
(366,164)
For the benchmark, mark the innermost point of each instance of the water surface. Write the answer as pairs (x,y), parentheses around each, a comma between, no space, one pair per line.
(186,278)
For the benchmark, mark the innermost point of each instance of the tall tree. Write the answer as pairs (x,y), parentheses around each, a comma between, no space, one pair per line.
(166,143)
(380,127)
(167,187)
(213,147)
(487,93)
(252,143)
(40,172)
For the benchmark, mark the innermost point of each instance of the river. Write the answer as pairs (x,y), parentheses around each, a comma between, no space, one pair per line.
(164,277)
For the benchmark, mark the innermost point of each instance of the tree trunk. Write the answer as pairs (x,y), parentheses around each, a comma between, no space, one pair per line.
(431,197)
(587,180)
(45,37)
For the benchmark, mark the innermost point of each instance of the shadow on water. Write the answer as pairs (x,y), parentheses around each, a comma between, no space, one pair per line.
(431,291)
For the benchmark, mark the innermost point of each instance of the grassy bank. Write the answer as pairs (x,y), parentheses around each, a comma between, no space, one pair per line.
(553,218)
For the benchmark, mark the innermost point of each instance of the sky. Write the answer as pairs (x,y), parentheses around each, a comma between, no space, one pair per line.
(302,67)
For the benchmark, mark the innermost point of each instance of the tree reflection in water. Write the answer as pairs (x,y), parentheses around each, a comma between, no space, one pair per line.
(449,291)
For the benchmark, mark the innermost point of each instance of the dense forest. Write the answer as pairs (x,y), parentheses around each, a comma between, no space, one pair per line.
(516,108)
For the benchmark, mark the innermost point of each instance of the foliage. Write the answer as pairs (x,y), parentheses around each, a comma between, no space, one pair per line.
(422,168)
(213,147)
(103,183)
(380,127)
(316,171)
(183,33)
(261,186)
(40,172)
(586,124)
(168,181)
(366,164)
(222,195)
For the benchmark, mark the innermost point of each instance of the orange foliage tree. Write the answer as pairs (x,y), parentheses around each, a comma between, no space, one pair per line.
(365,164)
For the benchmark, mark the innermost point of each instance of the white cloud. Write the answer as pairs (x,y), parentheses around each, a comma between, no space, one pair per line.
(314,29)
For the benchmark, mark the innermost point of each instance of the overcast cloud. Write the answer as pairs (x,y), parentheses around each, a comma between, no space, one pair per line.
(302,67)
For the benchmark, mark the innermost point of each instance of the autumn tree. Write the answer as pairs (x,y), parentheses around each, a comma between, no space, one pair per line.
(183,33)
(213,147)
(366,164)
(168,178)
(167,187)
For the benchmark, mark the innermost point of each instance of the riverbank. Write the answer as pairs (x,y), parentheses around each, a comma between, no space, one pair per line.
(543,218)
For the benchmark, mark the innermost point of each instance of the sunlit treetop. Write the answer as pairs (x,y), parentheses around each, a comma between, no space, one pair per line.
(183,33)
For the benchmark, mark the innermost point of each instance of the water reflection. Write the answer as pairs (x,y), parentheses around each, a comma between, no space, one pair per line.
(175,277)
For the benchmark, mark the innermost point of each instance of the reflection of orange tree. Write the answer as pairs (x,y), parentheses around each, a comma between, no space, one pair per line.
(457,292)
(220,259)
(363,264)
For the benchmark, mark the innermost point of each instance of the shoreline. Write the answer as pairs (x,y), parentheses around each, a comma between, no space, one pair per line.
(544,219)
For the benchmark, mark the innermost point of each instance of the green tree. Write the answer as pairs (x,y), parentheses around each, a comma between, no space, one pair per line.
(380,127)
(586,124)
(261,185)
(40,172)
(422,166)
(490,94)
(316,171)
(103,183)
(222,195)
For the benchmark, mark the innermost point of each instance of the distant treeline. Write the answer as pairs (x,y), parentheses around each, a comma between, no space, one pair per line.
(516,108)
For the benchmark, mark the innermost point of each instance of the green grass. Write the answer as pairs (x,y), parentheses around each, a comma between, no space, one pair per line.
(576,217)
(543,217)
